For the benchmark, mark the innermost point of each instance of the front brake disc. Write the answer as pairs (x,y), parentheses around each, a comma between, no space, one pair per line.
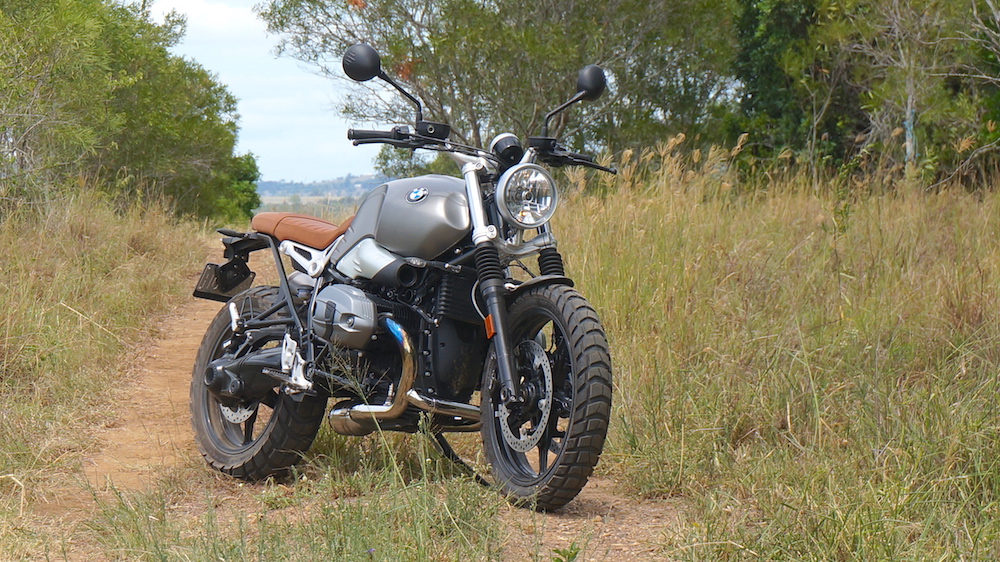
(531,355)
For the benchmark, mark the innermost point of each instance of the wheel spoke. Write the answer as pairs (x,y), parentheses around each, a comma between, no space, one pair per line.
(248,428)
(543,455)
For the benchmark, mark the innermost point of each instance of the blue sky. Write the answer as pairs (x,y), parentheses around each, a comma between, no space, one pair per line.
(288,115)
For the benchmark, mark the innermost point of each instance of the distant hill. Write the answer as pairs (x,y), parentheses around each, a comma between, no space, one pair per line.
(348,186)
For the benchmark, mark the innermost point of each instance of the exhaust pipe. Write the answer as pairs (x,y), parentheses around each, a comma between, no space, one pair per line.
(465,412)
(362,419)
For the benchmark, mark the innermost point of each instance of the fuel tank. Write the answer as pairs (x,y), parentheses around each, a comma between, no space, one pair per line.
(418,217)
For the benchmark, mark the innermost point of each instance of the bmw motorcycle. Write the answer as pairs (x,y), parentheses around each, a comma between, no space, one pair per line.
(442,304)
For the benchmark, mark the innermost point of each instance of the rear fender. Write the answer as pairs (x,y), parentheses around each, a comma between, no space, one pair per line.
(239,245)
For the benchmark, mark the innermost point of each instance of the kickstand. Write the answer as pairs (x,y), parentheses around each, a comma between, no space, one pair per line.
(444,447)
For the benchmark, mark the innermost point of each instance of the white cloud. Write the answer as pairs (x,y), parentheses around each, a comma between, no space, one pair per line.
(288,117)
(232,17)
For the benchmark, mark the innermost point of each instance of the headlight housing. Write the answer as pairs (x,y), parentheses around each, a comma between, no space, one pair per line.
(526,196)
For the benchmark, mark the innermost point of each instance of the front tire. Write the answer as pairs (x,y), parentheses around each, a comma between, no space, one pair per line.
(543,451)
(256,440)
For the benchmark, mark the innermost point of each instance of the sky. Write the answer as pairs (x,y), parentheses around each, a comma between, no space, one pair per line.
(288,114)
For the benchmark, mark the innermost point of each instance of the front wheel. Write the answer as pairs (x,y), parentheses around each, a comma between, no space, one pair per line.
(543,449)
(257,439)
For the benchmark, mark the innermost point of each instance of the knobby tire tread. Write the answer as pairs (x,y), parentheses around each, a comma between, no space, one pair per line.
(592,398)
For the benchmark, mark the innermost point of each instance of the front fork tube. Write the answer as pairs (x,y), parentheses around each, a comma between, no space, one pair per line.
(493,292)
(491,286)
(491,280)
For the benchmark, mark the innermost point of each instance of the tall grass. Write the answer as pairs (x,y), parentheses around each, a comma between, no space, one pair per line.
(815,373)
(80,284)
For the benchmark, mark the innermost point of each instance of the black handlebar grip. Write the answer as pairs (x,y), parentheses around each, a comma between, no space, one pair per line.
(358,134)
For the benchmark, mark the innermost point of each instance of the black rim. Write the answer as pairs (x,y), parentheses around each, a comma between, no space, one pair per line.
(235,437)
(538,325)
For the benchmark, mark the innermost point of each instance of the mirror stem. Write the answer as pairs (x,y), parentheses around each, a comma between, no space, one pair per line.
(576,97)
(416,102)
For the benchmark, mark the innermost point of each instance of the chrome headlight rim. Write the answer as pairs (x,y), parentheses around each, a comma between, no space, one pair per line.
(505,191)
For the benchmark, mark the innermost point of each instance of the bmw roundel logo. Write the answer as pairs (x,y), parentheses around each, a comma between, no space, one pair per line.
(417,195)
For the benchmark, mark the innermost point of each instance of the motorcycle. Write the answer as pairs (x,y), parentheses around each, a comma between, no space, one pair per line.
(421,311)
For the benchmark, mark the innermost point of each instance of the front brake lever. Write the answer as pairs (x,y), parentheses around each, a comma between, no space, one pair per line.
(612,171)
(390,142)
(558,158)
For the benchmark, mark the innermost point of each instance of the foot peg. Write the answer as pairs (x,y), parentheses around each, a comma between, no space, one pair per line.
(293,365)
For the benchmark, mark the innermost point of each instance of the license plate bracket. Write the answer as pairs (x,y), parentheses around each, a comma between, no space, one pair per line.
(223,282)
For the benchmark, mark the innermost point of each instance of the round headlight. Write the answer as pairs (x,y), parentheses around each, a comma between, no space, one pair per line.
(526,196)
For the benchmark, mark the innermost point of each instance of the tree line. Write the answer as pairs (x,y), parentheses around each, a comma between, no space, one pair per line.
(848,87)
(90,95)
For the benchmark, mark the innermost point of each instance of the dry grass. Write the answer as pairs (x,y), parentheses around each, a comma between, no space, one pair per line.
(818,373)
(80,285)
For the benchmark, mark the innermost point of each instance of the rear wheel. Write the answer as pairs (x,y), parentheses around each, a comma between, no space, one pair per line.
(543,450)
(252,440)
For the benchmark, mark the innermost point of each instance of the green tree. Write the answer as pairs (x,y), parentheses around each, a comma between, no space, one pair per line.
(486,67)
(52,91)
(978,74)
(829,102)
(240,200)
(839,79)
(909,49)
(90,91)
(179,124)
(767,32)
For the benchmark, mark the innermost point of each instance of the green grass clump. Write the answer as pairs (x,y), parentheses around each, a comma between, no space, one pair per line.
(377,498)
(816,375)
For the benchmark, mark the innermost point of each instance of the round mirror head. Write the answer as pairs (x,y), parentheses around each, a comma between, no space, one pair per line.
(591,82)
(362,63)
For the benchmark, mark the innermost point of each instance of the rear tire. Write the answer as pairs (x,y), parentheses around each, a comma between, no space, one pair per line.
(276,431)
(542,452)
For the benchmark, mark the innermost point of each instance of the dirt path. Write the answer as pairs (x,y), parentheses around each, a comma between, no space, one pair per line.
(154,432)
(153,435)
(605,524)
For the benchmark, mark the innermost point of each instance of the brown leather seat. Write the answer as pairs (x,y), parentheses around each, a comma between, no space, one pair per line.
(311,231)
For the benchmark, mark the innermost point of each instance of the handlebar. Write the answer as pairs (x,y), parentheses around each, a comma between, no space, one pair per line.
(398,137)
(401,137)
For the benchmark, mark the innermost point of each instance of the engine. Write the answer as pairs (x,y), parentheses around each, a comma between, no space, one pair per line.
(345,316)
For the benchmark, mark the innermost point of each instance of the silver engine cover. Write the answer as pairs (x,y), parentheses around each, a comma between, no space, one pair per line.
(345,316)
